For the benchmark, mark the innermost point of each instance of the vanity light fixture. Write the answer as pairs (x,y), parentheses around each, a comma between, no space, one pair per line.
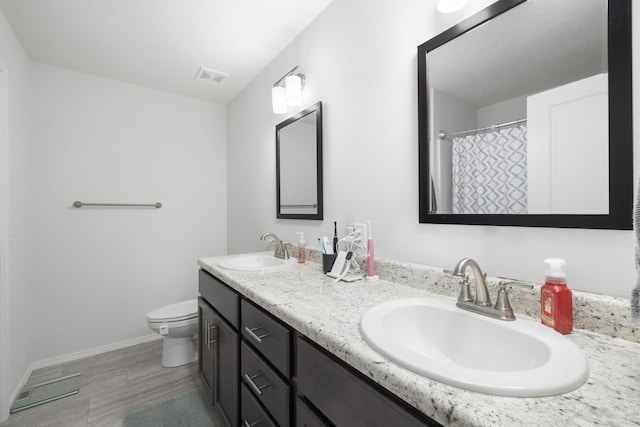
(287,91)
(449,6)
(279,100)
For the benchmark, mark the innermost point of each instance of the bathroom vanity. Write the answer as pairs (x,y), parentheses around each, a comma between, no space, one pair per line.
(284,348)
(281,377)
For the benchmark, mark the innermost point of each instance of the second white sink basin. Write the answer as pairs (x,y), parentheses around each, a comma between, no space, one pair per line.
(434,338)
(256,262)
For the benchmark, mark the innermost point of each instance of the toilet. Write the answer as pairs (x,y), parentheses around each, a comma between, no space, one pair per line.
(177,323)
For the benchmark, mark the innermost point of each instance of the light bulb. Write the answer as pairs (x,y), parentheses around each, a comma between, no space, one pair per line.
(279,100)
(448,6)
(293,86)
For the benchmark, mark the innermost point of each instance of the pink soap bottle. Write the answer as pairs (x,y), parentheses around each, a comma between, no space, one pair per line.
(302,255)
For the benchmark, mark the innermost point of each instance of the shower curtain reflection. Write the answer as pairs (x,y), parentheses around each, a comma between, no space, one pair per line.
(490,172)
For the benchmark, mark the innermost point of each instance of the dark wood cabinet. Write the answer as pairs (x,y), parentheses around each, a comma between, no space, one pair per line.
(272,391)
(307,417)
(265,367)
(267,335)
(206,320)
(345,397)
(261,372)
(225,393)
(252,413)
(219,342)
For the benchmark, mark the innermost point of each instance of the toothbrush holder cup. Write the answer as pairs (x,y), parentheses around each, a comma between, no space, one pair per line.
(327,262)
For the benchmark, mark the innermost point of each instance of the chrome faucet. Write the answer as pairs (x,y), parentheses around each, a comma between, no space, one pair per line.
(482,302)
(281,251)
(482,297)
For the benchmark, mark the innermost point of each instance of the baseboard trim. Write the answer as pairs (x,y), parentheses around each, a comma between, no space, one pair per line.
(93,351)
(80,355)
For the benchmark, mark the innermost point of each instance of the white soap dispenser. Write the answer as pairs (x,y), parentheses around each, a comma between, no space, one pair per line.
(302,254)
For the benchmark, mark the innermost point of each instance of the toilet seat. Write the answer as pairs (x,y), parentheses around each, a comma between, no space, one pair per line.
(173,324)
(177,312)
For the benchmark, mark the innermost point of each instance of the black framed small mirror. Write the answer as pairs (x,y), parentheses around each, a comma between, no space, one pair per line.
(521,70)
(299,165)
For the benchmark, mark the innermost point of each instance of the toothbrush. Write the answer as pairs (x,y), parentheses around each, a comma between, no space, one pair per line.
(335,237)
(328,248)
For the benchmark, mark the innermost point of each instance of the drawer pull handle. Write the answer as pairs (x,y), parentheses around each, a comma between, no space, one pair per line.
(213,336)
(253,385)
(253,335)
(246,423)
(207,334)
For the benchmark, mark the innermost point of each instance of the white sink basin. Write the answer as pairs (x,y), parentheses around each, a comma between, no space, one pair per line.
(256,262)
(434,338)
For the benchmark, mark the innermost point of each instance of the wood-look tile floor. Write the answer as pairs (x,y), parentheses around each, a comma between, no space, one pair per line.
(113,384)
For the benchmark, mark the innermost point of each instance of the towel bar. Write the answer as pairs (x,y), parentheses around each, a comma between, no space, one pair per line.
(158,205)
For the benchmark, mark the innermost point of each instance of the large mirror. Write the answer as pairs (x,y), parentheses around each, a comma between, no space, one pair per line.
(299,165)
(525,117)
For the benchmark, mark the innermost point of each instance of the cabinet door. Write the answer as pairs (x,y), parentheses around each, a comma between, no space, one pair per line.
(205,346)
(226,373)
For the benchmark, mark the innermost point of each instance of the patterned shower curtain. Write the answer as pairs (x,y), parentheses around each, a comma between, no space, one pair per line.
(490,172)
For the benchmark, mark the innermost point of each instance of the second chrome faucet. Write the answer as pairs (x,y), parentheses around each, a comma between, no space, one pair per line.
(481,301)
(281,250)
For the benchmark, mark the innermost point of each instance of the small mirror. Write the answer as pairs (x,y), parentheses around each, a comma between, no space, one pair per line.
(299,165)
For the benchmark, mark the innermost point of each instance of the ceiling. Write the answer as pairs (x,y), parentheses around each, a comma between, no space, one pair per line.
(538,45)
(162,43)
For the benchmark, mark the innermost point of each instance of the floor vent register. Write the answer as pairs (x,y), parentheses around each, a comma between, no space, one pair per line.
(47,391)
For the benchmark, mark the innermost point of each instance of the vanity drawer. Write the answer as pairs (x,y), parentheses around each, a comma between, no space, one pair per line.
(265,384)
(268,336)
(252,412)
(223,299)
(306,417)
(343,397)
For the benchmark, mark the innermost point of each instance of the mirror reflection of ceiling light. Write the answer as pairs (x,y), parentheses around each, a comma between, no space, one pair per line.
(287,91)
(448,6)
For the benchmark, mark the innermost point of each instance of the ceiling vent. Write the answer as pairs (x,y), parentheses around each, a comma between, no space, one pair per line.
(211,76)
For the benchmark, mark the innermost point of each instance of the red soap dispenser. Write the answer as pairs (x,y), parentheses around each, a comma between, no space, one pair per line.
(556,300)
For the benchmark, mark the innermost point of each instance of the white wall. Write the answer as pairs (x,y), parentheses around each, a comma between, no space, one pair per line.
(96,272)
(16,343)
(74,280)
(359,58)
(502,112)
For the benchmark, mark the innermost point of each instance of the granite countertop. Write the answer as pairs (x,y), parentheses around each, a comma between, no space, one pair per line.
(329,314)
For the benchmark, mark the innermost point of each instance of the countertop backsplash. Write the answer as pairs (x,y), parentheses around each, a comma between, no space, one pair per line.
(593,312)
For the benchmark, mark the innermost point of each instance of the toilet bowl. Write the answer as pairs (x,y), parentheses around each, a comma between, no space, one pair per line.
(177,323)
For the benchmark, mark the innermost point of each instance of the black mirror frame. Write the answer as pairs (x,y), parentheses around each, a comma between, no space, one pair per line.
(620,130)
(316,108)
